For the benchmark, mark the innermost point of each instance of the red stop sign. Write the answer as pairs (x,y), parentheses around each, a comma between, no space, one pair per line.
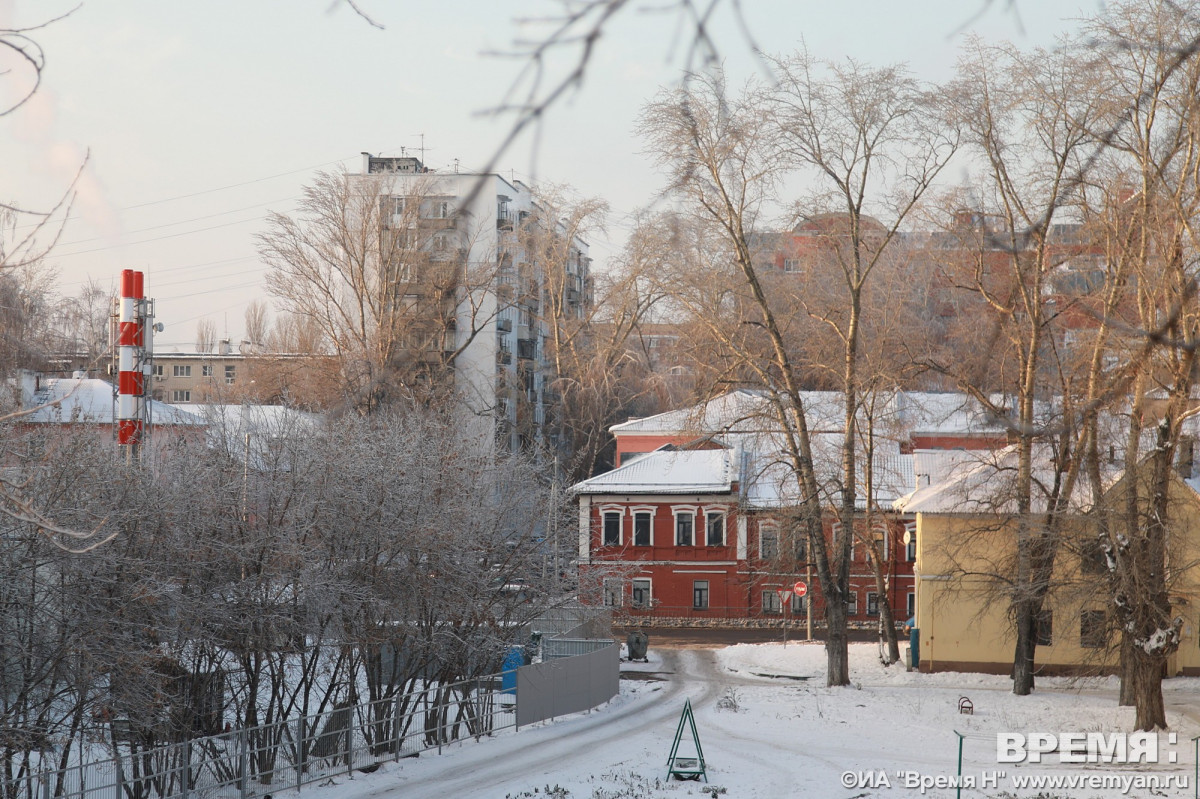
(800,588)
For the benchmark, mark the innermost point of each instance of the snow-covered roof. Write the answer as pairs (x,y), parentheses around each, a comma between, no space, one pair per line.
(741,410)
(86,400)
(669,471)
(897,415)
(266,426)
(985,482)
(771,481)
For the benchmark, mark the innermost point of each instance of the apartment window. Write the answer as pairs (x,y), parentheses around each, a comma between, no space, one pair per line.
(872,603)
(181,396)
(1043,627)
(206,370)
(912,604)
(612,528)
(230,374)
(770,602)
(397,206)
(442,210)
(440,242)
(612,593)
(852,603)
(158,370)
(641,528)
(768,541)
(799,604)
(700,594)
(910,549)
(641,593)
(715,528)
(791,265)
(181,371)
(1093,629)
(685,527)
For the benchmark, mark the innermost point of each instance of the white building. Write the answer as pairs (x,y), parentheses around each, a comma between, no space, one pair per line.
(499,306)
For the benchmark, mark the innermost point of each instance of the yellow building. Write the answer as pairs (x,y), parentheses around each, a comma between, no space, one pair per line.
(966,530)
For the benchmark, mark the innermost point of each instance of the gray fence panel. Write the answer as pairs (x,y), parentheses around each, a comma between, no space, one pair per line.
(571,647)
(561,686)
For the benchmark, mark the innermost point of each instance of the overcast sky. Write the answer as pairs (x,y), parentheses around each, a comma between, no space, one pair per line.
(200,115)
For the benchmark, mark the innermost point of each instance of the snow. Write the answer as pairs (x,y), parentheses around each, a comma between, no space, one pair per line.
(789,735)
(92,401)
(668,471)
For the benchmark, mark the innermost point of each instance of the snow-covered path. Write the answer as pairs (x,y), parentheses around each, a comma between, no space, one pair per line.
(788,737)
(496,768)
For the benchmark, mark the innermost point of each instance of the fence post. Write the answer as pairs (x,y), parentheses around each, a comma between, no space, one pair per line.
(299,752)
(350,743)
(187,767)
(243,763)
(399,742)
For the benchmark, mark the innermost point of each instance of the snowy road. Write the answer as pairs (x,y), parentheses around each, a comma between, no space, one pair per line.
(790,737)
(496,768)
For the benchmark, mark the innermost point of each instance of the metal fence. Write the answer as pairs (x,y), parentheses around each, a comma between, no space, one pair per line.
(260,760)
(569,684)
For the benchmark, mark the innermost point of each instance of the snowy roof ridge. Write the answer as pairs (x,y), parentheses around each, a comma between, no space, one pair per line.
(706,471)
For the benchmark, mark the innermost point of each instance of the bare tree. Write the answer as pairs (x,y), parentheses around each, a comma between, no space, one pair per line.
(395,300)
(206,336)
(854,128)
(258,322)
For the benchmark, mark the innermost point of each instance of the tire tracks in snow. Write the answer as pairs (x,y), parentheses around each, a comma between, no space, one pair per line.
(474,771)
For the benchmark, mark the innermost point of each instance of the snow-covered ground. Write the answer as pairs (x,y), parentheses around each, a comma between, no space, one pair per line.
(770,728)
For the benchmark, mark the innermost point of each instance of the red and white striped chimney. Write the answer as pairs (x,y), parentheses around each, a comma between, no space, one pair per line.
(131,379)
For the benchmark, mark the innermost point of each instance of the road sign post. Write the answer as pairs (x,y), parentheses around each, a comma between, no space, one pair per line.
(785,595)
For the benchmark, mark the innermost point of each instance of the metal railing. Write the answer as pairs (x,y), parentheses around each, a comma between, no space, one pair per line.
(287,754)
(256,761)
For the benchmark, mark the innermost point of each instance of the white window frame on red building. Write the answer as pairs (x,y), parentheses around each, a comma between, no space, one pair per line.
(684,510)
(613,590)
(633,592)
(716,510)
(634,510)
(619,511)
(765,529)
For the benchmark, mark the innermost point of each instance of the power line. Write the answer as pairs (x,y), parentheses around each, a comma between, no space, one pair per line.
(172,224)
(159,238)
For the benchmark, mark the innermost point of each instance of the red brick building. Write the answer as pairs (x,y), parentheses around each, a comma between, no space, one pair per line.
(694,522)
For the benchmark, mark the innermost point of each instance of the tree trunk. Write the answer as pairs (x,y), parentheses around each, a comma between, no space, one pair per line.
(1127,689)
(1026,645)
(1145,679)
(837,650)
(887,622)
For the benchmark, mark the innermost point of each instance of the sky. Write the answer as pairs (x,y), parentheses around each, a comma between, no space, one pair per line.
(192,120)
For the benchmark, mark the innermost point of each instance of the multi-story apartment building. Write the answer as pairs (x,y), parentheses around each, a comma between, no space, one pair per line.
(481,298)
(240,374)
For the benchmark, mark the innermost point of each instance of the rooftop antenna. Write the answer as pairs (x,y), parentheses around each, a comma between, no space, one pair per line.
(422,149)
